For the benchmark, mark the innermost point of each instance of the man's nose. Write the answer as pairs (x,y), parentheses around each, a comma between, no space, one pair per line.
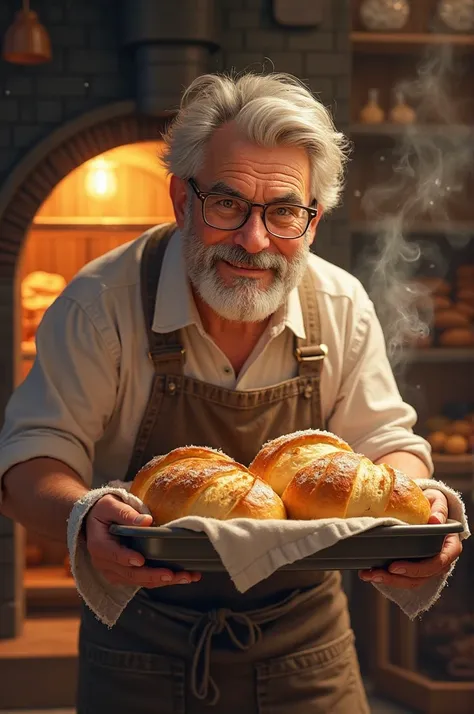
(253,235)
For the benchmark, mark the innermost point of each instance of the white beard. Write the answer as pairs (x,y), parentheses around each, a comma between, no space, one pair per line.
(244,301)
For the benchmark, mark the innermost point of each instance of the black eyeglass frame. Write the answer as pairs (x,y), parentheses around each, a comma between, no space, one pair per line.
(312,212)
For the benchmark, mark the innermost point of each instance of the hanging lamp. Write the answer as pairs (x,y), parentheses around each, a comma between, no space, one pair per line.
(26,40)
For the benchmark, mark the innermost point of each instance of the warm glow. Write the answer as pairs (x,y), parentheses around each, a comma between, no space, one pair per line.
(127,185)
(101,180)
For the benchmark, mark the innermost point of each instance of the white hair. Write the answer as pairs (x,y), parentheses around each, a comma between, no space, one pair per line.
(271,110)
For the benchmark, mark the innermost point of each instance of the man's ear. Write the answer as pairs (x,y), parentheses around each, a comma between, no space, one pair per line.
(314,224)
(178,195)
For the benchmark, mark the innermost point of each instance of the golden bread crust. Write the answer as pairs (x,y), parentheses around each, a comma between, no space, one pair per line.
(322,489)
(203,482)
(319,476)
(270,452)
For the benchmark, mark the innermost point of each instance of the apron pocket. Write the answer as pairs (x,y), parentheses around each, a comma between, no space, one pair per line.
(318,680)
(121,682)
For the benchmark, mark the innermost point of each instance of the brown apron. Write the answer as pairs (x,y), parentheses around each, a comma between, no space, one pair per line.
(284,646)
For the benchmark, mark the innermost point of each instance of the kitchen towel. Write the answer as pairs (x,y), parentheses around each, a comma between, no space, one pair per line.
(250,550)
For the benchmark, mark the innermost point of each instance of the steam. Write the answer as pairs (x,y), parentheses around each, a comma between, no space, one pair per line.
(428,171)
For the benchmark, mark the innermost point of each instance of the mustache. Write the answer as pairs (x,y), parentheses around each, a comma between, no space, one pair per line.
(237,254)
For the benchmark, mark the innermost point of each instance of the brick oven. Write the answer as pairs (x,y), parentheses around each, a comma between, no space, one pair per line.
(117,71)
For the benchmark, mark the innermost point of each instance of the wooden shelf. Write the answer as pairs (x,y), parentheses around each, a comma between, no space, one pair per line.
(394,131)
(446,466)
(49,587)
(435,229)
(38,669)
(441,355)
(396,42)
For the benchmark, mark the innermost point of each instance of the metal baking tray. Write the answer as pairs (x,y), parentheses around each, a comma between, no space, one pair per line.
(179,549)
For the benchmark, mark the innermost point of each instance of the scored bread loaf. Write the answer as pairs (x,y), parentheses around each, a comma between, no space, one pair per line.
(318,475)
(200,481)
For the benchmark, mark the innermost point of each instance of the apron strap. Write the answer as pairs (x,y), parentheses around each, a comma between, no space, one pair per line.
(310,352)
(164,350)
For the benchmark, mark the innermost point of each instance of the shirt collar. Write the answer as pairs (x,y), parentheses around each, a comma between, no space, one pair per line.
(172,313)
(174,305)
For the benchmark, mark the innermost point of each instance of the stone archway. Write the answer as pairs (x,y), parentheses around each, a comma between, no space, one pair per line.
(65,149)
(21,196)
(32,180)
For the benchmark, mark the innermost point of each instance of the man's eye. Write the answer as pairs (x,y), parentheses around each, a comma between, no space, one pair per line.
(227,203)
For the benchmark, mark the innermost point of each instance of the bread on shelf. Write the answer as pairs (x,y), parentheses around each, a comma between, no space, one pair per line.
(199,481)
(447,307)
(318,475)
(39,290)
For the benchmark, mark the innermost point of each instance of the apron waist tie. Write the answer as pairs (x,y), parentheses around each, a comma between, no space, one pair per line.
(205,625)
(213,623)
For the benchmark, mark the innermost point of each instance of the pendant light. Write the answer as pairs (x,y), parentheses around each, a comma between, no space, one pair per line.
(26,40)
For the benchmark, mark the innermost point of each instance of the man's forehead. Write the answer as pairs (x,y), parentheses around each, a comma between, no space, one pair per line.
(229,156)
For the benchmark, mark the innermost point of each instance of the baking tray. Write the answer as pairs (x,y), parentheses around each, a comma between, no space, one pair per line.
(179,549)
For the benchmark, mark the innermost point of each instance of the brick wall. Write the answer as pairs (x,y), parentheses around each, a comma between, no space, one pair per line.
(320,57)
(89,70)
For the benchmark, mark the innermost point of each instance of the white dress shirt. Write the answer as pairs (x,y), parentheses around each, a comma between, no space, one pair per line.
(85,395)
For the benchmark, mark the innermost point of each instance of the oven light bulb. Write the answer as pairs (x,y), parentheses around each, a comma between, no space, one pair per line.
(101,179)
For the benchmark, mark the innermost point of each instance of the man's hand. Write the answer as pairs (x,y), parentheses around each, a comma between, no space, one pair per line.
(410,575)
(119,565)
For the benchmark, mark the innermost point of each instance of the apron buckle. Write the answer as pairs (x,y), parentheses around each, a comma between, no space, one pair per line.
(166,355)
(307,354)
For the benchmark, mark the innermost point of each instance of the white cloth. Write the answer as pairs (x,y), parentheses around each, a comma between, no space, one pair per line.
(87,391)
(250,550)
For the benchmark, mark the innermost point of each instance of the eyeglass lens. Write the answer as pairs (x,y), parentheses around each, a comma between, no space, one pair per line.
(282,219)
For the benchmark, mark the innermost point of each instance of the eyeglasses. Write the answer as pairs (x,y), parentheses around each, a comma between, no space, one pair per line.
(228,213)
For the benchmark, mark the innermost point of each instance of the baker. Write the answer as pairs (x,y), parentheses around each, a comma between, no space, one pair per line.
(223,330)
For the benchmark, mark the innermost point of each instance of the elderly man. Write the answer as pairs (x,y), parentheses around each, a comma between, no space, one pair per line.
(204,333)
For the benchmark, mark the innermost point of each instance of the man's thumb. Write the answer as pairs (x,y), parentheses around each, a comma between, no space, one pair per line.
(125,515)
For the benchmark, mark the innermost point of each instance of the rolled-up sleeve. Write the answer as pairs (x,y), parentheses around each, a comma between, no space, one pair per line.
(63,406)
(370,413)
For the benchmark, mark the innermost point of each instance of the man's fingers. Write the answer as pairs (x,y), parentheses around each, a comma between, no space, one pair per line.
(121,565)
(439,505)
(451,550)
(145,577)
(100,544)
(409,575)
(104,547)
(110,509)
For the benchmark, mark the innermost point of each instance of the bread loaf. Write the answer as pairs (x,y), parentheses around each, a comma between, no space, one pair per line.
(450,318)
(465,309)
(466,295)
(436,286)
(318,475)
(441,302)
(466,271)
(199,481)
(457,337)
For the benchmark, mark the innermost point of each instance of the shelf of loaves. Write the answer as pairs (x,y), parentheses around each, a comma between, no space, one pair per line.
(388,130)
(424,227)
(447,465)
(408,42)
(428,355)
